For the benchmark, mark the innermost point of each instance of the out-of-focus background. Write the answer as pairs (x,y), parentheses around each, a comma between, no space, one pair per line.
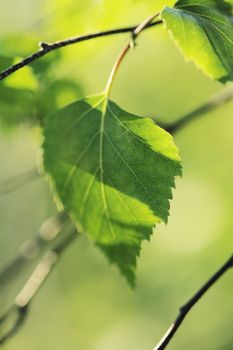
(86,304)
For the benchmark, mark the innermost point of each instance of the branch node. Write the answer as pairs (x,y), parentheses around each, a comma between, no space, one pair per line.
(45,48)
(133,43)
(23,310)
(43,45)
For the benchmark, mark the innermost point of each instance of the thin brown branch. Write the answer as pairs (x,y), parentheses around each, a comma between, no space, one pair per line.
(45,48)
(186,308)
(30,289)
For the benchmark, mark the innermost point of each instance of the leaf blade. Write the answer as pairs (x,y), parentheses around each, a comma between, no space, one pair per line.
(113,172)
(203,30)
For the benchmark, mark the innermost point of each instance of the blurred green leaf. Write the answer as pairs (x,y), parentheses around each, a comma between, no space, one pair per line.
(23,79)
(54,94)
(20,106)
(16,107)
(113,172)
(204,32)
(30,93)
(5,62)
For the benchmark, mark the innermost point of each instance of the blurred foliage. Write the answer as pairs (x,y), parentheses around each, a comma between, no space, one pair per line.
(26,97)
(86,304)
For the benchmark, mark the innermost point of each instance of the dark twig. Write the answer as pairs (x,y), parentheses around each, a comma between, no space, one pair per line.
(19,181)
(185,309)
(215,102)
(33,284)
(45,48)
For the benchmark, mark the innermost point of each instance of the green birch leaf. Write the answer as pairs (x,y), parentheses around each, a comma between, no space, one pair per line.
(203,30)
(113,172)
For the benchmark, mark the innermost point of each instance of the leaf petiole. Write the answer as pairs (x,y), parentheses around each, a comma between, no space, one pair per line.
(124,51)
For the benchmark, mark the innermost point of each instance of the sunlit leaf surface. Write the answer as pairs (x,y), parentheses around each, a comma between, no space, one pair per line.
(204,32)
(113,172)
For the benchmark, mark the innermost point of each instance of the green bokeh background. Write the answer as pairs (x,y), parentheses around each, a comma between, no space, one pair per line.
(85,304)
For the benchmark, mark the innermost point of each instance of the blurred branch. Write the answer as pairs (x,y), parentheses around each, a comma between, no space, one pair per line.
(19,181)
(31,249)
(23,300)
(215,102)
(45,48)
(186,308)
(20,315)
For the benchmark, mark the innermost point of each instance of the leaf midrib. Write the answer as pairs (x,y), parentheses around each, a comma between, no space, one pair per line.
(101,164)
